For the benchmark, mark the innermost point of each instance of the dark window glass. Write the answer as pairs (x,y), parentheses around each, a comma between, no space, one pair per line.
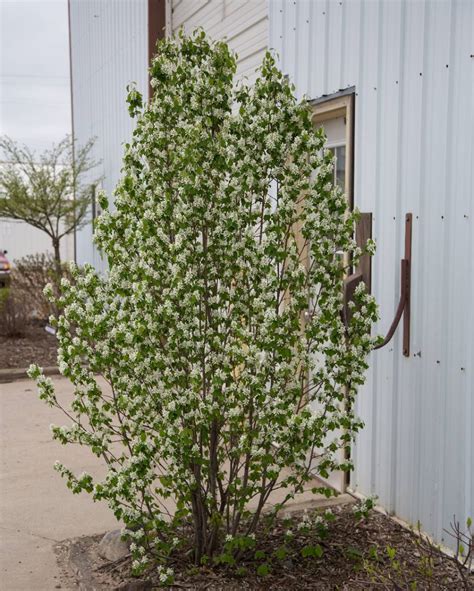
(340,167)
(339,177)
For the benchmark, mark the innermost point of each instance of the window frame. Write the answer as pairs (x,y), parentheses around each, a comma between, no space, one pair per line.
(340,104)
(325,108)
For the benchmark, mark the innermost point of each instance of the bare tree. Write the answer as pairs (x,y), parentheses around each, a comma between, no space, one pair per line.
(50,191)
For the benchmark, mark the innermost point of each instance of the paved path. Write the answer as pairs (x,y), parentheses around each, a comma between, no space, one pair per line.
(37,510)
(36,507)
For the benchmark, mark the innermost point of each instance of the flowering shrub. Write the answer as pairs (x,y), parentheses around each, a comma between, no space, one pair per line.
(30,275)
(13,313)
(218,327)
(363,508)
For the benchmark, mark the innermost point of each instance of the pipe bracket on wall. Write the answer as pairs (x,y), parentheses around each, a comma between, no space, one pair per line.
(363,273)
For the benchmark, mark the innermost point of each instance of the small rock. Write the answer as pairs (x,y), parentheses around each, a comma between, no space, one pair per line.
(137,585)
(112,547)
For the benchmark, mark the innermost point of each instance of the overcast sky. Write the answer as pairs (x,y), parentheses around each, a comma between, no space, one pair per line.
(34,71)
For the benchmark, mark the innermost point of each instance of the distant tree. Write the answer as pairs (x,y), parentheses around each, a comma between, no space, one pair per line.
(49,190)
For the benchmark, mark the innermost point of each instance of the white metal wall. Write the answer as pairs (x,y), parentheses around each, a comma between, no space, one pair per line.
(109,49)
(20,239)
(411,63)
(243,23)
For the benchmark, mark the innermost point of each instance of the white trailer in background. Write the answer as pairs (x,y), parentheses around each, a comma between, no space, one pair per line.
(20,239)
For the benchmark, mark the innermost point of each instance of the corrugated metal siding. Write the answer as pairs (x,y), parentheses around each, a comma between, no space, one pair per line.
(109,50)
(243,23)
(412,68)
(109,47)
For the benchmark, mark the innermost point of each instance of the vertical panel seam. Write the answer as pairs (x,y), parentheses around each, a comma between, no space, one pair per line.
(400,138)
(420,383)
(375,406)
(446,293)
(342,82)
(326,48)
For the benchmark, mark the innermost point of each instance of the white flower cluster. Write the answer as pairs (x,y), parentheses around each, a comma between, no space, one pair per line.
(219,322)
(364,506)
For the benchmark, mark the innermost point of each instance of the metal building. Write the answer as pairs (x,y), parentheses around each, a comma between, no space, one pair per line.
(109,50)
(410,70)
(111,43)
(243,23)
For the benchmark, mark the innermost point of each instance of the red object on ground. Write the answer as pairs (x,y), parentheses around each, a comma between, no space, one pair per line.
(5,269)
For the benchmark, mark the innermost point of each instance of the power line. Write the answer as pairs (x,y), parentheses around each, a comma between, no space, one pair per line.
(33,76)
(33,102)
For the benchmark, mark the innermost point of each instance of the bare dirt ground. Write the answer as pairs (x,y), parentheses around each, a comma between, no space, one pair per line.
(373,553)
(36,346)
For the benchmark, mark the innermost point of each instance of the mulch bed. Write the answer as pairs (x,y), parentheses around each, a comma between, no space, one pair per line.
(374,553)
(35,346)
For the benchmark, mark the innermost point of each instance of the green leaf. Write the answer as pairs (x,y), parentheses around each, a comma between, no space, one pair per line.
(281,553)
(312,551)
(263,570)
(225,558)
(354,553)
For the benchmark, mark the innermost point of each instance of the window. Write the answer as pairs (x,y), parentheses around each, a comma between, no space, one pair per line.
(96,210)
(336,115)
(339,166)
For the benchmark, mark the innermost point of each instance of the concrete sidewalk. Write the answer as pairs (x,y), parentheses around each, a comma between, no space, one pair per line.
(37,510)
(36,507)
